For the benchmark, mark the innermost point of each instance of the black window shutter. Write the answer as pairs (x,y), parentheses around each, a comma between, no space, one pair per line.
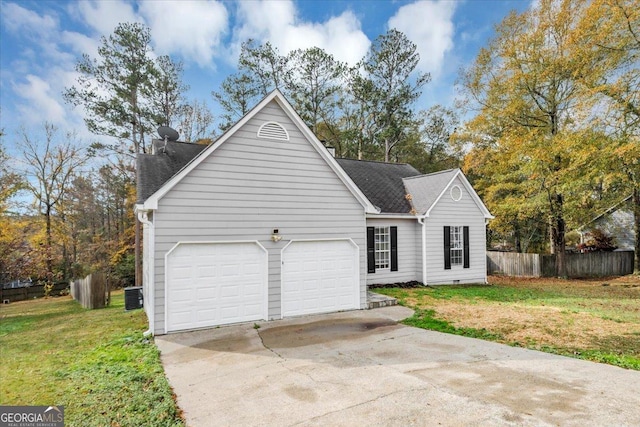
(371,250)
(447,247)
(394,248)
(465,238)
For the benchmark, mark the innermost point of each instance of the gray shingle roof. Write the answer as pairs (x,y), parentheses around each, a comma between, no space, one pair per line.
(156,169)
(425,189)
(381,182)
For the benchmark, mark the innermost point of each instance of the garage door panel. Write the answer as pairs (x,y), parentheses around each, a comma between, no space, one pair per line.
(207,294)
(206,271)
(181,296)
(205,315)
(210,284)
(319,277)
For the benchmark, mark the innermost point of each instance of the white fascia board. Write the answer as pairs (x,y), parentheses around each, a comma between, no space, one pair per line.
(470,190)
(152,202)
(475,196)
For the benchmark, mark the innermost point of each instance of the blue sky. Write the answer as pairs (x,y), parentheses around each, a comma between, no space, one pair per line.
(40,42)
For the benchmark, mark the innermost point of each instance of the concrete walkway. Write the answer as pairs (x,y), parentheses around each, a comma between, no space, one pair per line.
(362,368)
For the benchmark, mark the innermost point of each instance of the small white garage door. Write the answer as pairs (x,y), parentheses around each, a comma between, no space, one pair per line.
(320,277)
(211,284)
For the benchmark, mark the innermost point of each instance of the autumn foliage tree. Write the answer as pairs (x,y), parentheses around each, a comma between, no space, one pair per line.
(532,115)
(607,43)
(50,166)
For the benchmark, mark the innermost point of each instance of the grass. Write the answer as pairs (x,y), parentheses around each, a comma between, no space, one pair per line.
(596,320)
(96,363)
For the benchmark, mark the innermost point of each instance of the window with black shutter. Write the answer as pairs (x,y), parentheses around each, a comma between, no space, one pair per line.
(394,248)
(382,249)
(456,246)
(447,247)
(371,250)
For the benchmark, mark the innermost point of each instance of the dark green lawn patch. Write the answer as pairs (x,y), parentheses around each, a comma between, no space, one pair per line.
(94,362)
(425,319)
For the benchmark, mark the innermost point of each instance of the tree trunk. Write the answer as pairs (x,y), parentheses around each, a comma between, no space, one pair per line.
(558,236)
(517,238)
(49,244)
(387,149)
(635,200)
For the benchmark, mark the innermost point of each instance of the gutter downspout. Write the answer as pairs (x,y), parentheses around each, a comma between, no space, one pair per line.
(486,278)
(143,217)
(422,221)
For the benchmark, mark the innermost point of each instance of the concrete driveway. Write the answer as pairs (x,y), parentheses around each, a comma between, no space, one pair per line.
(362,368)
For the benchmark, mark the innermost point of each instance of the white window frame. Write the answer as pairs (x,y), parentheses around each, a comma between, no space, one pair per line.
(382,247)
(457,245)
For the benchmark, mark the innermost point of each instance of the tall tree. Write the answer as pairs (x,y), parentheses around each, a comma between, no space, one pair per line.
(315,84)
(385,89)
(50,166)
(523,84)
(435,129)
(238,93)
(608,49)
(264,65)
(166,91)
(126,94)
(10,181)
(12,241)
(112,87)
(196,122)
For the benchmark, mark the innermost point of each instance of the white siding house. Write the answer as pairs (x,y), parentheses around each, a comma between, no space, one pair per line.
(265,223)
(436,223)
(273,195)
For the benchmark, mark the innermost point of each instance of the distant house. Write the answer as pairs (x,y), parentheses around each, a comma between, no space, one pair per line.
(617,222)
(265,223)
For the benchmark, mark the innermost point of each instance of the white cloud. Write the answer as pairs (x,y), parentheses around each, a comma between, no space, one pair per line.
(278,23)
(429,24)
(42,104)
(26,22)
(80,43)
(191,29)
(104,16)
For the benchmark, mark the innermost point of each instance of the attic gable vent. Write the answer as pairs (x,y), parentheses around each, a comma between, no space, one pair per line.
(273,130)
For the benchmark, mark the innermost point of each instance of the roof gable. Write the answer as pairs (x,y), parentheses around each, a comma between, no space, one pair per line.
(427,190)
(276,96)
(620,205)
(381,183)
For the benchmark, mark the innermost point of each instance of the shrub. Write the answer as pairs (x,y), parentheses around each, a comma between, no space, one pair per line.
(598,241)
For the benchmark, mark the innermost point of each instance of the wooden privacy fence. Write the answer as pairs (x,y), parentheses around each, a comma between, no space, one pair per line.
(29,292)
(594,264)
(514,264)
(90,292)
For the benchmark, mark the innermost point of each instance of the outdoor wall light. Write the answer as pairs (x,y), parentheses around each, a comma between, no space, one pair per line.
(275,237)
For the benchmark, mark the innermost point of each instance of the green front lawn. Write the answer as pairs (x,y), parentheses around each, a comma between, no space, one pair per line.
(95,363)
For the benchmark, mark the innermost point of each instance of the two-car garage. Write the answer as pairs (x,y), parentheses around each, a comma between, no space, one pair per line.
(218,283)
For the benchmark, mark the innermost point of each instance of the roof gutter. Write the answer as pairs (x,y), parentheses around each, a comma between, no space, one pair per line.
(390,216)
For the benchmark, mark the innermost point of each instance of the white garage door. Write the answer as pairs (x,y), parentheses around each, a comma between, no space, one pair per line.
(211,284)
(320,277)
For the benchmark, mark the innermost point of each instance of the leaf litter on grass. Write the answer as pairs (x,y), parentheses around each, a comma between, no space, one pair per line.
(598,319)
